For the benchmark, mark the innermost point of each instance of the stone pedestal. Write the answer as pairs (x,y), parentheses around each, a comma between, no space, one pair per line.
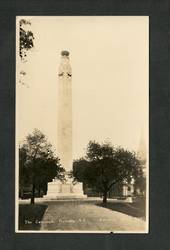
(57,190)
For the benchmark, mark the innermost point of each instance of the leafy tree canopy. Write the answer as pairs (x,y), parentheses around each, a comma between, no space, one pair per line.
(38,164)
(104,166)
(26,38)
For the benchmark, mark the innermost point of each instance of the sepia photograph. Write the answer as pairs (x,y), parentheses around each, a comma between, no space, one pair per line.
(82,124)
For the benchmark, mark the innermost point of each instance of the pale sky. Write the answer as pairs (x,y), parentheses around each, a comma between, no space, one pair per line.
(110,79)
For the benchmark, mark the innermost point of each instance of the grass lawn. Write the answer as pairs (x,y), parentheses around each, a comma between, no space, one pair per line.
(135,209)
(30,216)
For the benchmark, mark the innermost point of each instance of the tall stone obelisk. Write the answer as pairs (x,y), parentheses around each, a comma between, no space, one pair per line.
(64,133)
(56,189)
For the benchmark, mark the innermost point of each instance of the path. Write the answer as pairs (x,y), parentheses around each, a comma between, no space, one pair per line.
(86,216)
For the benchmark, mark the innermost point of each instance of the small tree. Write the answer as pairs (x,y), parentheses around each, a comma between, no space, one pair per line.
(104,166)
(38,165)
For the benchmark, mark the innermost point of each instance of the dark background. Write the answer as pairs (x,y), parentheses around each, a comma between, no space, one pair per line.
(158,237)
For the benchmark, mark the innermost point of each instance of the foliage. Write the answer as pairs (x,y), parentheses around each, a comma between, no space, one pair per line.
(26,39)
(140,183)
(26,43)
(104,166)
(37,163)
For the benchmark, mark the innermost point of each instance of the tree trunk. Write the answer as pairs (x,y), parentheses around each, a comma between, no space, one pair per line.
(105,197)
(33,194)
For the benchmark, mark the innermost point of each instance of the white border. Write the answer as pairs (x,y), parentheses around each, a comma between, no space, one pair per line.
(17,146)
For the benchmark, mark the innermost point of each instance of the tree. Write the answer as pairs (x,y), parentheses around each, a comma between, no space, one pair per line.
(26,39)
(104,166)
(38,164)
(140,184)
(22,169)
(26,43)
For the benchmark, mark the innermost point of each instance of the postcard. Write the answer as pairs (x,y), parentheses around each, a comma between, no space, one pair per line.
(82,124)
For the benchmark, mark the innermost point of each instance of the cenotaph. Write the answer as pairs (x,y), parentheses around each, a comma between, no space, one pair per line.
(57,189)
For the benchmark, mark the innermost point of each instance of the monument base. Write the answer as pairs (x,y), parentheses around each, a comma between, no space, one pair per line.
(57,190)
